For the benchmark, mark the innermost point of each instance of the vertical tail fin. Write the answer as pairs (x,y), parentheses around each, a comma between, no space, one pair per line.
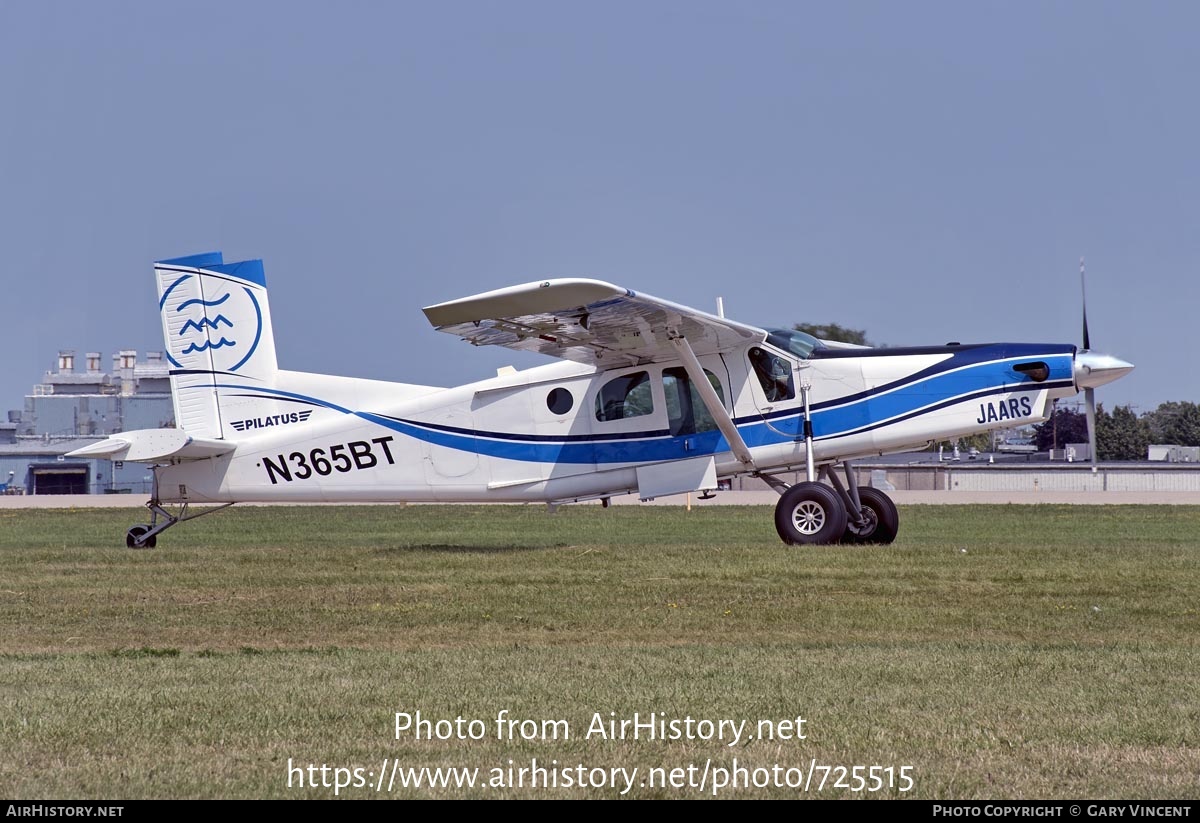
(220,345)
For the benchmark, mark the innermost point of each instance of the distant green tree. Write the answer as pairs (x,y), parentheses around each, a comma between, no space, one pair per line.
(1121,435)
(981,441)
(835,332)
(1064,426)
(1175,423)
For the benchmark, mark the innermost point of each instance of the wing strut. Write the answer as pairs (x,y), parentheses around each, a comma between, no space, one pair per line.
(711,402)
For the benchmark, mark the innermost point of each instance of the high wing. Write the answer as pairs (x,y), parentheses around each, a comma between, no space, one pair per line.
(588,321)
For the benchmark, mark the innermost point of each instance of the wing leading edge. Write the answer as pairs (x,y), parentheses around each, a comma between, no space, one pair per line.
(588,321)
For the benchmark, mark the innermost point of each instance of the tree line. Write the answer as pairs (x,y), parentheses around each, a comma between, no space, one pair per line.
(1122,434)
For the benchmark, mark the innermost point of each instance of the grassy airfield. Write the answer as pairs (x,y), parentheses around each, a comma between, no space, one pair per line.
(998,651)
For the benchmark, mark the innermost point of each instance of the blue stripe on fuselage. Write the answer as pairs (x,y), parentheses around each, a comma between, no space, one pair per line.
(953,378)
(961,378)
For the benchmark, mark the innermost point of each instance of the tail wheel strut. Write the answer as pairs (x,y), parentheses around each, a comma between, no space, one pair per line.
(145,535)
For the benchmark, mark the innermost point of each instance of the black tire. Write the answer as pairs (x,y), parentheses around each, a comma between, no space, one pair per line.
(134,533)
(810,513)
(883,521)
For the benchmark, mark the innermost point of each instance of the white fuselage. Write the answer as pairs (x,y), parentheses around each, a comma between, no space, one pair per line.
(548,433)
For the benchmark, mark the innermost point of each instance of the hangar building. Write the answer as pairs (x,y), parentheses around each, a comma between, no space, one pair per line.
(73,407)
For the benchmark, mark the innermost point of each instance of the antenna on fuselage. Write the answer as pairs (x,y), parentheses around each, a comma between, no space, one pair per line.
(721,307)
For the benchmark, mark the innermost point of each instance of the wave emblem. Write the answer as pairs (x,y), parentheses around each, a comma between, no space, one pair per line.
(218,334)
(204,323)
(207,345)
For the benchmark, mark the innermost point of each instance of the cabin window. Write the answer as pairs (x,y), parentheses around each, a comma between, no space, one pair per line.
(624,397)
(559,401)
(686,412)
(774,375)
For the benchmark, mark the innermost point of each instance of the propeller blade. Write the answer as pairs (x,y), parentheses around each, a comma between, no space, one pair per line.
(1089,399)
(1087,340)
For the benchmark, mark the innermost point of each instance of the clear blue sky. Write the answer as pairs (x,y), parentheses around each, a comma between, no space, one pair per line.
(926,171)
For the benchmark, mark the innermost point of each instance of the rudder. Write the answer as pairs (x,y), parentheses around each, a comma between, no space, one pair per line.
(217,329)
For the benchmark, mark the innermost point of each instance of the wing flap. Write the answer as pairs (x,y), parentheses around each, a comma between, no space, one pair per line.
(588,321)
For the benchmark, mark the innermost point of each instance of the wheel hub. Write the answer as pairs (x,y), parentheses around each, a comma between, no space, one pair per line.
(809,517)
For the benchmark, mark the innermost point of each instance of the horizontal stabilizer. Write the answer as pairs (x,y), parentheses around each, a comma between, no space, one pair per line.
(155,446)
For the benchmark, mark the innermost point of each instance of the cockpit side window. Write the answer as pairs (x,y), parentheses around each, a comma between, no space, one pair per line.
(799,343)
(774,375)
(624,397)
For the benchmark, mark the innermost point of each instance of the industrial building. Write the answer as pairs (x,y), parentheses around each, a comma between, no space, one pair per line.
(73,407)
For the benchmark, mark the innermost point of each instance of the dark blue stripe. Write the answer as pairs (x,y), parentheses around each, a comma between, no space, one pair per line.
(961,357)
(539,438)
(953,401)
(280,394)
(870,410)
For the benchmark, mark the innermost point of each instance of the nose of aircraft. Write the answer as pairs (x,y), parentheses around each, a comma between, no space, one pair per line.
(1093,369)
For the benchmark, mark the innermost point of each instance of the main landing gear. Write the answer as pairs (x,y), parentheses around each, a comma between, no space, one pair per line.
(812,512)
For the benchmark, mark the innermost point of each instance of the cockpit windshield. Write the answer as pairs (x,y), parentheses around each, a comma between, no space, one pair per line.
(799,343)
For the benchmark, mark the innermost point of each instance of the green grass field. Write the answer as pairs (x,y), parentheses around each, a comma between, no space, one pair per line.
(997,651)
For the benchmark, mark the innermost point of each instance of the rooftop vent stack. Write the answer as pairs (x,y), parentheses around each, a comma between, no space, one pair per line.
(66,361)
(125,360)
(93,362)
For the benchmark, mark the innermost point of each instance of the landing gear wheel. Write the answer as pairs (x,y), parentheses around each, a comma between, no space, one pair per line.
(882,519)
(810,513)
(134,534)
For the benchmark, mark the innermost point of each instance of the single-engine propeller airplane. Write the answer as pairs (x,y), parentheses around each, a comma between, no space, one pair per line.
(651,397)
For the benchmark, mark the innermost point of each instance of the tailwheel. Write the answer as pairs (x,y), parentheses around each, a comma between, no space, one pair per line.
(145,535)
(880,521)
(810,513)
(135,538)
